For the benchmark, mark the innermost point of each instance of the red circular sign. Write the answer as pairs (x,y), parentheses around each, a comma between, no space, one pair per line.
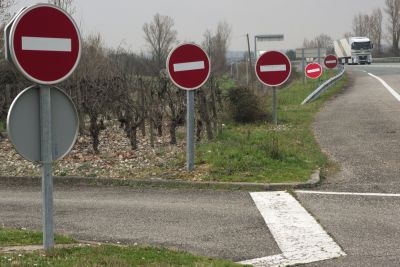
(331,61)
(45,44)
(188,66)
(273,68)
(313,70)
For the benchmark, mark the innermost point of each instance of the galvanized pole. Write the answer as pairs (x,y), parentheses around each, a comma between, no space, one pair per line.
(319,55)
(303,65)
(250,63)
(319,61)
(190,130)
(255,49)
(47,158)
(247,74)
(274,106)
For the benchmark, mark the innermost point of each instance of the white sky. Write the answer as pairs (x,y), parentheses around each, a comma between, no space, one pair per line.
(121,21)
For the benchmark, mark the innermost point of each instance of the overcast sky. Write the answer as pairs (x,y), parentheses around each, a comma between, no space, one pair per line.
(121,21)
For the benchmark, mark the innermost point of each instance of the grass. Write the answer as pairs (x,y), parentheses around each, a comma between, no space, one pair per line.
(2,126)
(12,237)
(268,154)
(104,255)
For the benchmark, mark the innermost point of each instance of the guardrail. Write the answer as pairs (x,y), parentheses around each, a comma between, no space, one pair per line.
(325,86)
(386,60)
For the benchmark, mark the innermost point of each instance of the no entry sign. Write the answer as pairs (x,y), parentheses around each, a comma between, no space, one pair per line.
(331,61)
(273,68)
(44,44)
(313,70)
(188,66)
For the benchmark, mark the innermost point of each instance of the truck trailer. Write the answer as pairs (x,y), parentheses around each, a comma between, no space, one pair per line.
(354,50)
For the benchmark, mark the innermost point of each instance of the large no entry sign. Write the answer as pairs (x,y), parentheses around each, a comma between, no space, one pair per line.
(331,61)
(188,66)
(45,44)
(273,68)
(313,70)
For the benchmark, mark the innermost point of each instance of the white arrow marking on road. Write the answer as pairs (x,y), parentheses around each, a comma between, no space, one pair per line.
(314,70)
(300,238)
(268,68)
(195,65)
(331,61)
(46,44)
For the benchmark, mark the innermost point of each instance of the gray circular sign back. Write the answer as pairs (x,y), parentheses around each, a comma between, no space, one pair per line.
(23,123)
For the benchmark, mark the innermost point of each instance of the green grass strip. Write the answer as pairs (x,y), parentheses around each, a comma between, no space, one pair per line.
(266,154)
(12,237)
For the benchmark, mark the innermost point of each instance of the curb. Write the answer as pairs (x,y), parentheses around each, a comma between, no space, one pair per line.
(163,183)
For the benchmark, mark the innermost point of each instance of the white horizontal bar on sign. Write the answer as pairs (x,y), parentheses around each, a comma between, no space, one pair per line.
(331,61)
(46,44)
(195,65)
(270,68)
(314,70)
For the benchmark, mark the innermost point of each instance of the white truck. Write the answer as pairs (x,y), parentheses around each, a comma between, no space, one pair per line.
(354,50)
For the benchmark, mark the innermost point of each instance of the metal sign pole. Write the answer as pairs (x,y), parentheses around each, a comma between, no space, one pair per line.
(274,106)
(46,158)
(190,130)
(303,66)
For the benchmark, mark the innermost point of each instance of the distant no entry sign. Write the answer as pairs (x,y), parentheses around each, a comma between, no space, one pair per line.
(45,44)
(188,66)
(273,68)
(313,70)
(331,61)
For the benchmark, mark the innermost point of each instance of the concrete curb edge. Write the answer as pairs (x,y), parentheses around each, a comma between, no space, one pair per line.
(164,183)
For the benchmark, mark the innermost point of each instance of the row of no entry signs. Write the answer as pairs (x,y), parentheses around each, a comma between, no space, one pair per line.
(43,42)
(48,53)
(189,67)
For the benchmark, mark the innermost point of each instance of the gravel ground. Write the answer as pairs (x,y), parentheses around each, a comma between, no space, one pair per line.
(116,159)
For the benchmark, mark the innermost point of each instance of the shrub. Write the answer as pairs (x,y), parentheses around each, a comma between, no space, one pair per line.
(245,106)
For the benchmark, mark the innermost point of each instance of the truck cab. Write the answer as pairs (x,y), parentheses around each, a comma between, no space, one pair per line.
(361,48)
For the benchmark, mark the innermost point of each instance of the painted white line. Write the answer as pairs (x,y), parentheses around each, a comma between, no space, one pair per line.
(195,65)
(390,89)
(272,68)
(331,61)
(314,70)
(300,238)
(348,194)
(46,44)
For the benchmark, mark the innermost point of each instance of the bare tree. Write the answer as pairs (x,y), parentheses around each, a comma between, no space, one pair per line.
(67,5)
(348,34)
(392,9)
(160,36)
(217,45)
(361,25)
(376,19)
(322,40)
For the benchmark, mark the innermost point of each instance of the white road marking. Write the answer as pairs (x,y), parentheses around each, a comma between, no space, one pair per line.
(331,61)
(348,194)
(390,89)
(46,44)
(300,238)
(195,65)
(272,68)
(314,70)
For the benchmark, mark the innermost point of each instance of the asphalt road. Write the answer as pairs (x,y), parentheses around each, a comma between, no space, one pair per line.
(360,129)
(210,223)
